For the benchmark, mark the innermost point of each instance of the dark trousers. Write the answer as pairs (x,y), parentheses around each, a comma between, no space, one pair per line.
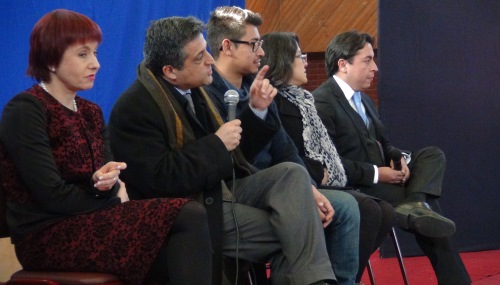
(376,220)
(426,176)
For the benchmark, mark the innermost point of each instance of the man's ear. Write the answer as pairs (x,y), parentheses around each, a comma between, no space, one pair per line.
(226,47)
(169,72)
(342,65)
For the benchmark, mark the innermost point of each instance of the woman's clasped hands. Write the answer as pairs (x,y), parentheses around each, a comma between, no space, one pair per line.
(108,175)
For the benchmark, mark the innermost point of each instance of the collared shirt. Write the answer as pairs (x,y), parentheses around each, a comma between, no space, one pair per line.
(187,94)
(183,92)
(348,93)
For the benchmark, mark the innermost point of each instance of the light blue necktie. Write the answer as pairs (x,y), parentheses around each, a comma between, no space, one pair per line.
(357,102)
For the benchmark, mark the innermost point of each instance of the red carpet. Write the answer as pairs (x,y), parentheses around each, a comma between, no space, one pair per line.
(483,268)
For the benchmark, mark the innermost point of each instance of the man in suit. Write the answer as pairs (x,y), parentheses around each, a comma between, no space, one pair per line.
(175,144)
(234,41)
(371,160)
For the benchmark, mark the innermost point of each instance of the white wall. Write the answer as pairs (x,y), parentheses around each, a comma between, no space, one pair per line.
(8,260)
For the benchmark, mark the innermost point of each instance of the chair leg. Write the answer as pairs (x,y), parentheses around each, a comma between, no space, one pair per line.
(370,273)
(250,279)
(400,256)
(257,274)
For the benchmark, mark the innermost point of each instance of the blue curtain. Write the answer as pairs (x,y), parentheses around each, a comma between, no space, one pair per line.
(439,80)
(123,23)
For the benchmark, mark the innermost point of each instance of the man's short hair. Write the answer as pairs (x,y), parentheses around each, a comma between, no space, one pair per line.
(344,46)
(229,23)
(165,41)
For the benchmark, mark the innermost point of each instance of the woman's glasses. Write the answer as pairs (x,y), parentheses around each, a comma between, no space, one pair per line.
(303,57)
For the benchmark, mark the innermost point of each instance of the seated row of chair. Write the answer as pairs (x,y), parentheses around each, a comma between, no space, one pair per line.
(25,277)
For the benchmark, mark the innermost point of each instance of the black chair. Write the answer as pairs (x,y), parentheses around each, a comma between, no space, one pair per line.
(248,273)
(25,277)
(395,242)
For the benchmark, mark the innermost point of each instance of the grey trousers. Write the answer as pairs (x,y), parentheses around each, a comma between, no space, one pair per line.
(275,218)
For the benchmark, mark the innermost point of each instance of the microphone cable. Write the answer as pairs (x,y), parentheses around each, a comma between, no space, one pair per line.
(233,210)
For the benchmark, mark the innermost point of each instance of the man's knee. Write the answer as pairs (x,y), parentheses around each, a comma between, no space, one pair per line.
(434,153)
(344,204)
(291,168)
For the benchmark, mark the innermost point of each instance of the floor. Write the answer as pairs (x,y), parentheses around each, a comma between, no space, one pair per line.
(483,268)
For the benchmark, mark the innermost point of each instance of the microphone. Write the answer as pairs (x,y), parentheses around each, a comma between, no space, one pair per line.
(231,97)
(396,158)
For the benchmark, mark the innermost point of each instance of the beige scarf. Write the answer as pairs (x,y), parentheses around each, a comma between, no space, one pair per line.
(172,111)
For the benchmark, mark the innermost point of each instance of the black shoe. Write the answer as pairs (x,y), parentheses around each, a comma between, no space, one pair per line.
(418,217)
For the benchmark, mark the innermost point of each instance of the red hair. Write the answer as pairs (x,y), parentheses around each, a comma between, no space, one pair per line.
(52,35)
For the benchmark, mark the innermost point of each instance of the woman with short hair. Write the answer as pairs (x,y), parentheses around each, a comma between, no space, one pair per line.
(67,209)
(287,72)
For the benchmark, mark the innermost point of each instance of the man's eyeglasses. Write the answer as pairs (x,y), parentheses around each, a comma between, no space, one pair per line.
(255,45)
(302,56)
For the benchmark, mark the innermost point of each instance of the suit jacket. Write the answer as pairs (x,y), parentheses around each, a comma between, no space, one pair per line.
(139,137)
(350,135)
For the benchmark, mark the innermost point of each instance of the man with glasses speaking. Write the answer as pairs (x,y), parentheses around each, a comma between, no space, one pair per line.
(234,41)
(236,46)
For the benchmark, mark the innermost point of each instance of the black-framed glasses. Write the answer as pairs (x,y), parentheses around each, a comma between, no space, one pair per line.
(255,45)
(302,56)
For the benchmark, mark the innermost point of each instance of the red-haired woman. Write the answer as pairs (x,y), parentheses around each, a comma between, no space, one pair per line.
(67,208)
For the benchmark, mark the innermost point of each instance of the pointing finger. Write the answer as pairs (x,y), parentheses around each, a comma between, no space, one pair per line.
(262,72)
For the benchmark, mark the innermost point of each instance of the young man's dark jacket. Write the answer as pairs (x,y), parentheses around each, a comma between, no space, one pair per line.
(279,149)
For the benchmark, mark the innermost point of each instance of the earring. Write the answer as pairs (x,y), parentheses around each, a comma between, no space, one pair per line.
(53,69)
